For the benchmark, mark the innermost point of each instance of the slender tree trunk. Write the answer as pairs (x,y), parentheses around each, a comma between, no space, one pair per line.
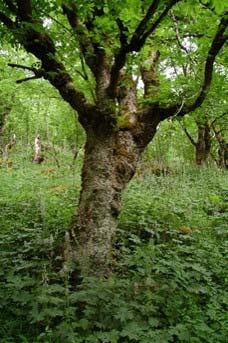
(109,164)
(3,116)
(222,150)
(203,145)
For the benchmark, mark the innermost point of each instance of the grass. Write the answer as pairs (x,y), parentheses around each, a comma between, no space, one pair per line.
(169,283)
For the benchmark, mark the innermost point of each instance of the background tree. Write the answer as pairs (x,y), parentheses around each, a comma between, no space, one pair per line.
(203,144)
(111,42)
(219,126)
(204,121)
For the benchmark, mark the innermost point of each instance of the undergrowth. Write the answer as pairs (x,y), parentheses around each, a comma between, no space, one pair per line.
(169,280)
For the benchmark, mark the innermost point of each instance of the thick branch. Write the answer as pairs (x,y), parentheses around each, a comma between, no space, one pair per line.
(24,10)
(140,30)
(94,55)
(127,98)
(40,44)
(149,74)
(6,20)
(136,43)
(84,41)
(218,42)
(120,60)
(123,30)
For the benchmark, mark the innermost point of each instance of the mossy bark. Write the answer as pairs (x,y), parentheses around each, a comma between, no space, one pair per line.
(109,164)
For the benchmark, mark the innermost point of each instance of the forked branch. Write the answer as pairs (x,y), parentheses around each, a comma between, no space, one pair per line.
(38,73)
(142,32)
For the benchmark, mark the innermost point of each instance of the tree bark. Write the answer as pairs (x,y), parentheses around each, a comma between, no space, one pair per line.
(222,150)
(223,155)
(149,75)
(109,164)
(203,144)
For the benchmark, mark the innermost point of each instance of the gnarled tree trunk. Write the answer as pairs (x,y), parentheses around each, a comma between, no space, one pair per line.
(109,164)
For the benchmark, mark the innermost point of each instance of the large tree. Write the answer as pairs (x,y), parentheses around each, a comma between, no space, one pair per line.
(114,40)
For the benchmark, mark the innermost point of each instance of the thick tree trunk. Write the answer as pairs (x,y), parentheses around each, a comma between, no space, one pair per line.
(203,145)
(109,164)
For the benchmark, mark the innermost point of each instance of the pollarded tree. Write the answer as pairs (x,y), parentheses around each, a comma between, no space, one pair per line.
(112,39)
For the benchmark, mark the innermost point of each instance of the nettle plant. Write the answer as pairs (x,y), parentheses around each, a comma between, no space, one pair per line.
(113,47)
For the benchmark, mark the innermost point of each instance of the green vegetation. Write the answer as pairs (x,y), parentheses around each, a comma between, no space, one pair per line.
(169,278)
(113,171)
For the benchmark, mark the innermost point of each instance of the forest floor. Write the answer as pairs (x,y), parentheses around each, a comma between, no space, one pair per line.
(170,272)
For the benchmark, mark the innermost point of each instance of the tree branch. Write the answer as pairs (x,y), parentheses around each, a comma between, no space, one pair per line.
(216,119)
(6,20)
(24,11)
(39,73)
(136,43)
(86,47)
(20,66)
(140,30)
(123,30)
(182,47)
(149,74)
(40,44)
(188,135)
(27,79)
(218,42)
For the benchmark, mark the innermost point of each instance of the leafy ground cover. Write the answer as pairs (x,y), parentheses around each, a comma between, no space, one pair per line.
(169,279)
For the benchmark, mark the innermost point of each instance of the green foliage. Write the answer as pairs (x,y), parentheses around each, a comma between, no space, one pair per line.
(169,278)
(167,285)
